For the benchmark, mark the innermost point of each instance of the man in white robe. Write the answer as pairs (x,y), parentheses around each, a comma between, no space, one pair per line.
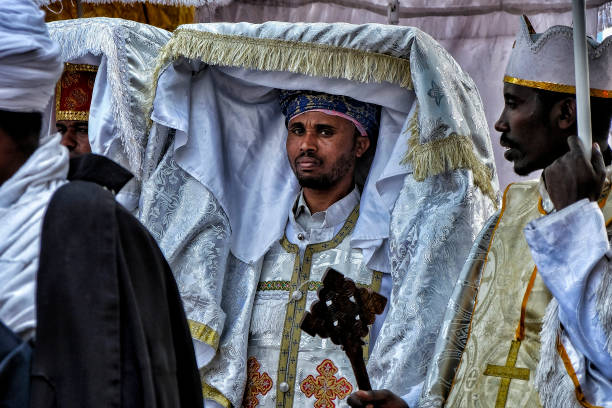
(220,192)
(535,330)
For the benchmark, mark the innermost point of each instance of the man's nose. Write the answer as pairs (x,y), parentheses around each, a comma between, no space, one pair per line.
(501,125)
(308,141)
(68,139)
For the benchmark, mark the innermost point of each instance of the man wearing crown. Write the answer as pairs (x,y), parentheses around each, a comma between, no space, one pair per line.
(72,101)
(537,329)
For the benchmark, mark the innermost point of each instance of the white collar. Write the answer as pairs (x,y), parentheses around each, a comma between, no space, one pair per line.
(335,214)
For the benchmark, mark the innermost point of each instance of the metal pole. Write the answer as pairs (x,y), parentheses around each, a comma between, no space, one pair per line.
(581,68)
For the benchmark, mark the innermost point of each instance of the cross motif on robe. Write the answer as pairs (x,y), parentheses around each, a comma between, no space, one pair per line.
(507,373)
(257,384)
(326,387)
(343,313)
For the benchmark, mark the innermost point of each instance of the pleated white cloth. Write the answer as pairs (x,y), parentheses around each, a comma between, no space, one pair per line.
(29,61)
(23,202)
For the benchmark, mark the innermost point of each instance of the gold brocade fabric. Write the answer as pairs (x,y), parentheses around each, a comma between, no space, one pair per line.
(504,280)
(166,17)
(492,357)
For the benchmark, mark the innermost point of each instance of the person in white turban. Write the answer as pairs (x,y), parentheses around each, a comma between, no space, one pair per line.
(90,315)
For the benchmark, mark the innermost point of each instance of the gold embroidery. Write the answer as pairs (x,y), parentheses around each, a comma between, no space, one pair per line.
(375,286)
(510,372)
(211,393)
(507,373)
(551,86)
(326,387)
(313,286)
(204,333)
(69,114)
(257,384)
(80,67)
(290,341)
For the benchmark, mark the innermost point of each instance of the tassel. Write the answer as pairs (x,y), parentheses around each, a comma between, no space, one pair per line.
(439,156)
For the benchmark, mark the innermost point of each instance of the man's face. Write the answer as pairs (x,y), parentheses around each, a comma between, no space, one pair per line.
(527,131)
(74,136)
(323,149)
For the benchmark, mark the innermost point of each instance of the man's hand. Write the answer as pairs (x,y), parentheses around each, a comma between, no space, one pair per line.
(376,399)
(571,177)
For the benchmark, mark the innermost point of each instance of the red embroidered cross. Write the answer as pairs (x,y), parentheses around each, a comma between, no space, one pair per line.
(257,384)
(326,387)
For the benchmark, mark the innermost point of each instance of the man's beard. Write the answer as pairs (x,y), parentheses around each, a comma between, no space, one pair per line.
(341,168)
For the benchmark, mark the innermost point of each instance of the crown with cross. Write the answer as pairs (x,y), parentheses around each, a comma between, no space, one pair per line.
(546,61)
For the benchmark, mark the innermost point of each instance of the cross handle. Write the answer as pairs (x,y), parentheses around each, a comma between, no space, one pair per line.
(343,313)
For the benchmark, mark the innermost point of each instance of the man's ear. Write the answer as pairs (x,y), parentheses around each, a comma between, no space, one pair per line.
(565,112)
(363,143)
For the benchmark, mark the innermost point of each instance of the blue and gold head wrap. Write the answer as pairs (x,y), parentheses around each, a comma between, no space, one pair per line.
(363,115)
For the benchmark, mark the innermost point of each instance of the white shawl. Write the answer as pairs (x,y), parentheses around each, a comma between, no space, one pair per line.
(23,201)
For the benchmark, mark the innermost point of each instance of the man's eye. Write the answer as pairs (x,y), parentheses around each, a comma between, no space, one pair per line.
(82,130)
(327,132)
(297,131)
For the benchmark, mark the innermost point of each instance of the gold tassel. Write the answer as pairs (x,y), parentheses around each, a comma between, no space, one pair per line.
(439,156)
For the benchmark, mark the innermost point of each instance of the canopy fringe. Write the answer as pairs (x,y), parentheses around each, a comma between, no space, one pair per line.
(450,153)
(266,54)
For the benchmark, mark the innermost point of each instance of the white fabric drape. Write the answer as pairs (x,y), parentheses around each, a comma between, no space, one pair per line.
(29,61)
(257,89)
(23,200)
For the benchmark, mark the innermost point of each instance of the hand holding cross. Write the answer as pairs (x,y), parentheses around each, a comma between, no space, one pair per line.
(343,313)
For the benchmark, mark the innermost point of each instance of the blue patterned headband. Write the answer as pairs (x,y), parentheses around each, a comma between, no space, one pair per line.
(364,115)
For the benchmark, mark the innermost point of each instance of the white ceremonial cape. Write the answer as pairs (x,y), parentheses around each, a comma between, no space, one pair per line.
(217,186)
(125,53)
(571,366)
(23,201)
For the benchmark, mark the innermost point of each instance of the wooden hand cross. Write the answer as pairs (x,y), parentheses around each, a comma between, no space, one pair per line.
(343,313)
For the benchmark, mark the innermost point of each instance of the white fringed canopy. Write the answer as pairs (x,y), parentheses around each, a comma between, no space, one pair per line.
(477,33)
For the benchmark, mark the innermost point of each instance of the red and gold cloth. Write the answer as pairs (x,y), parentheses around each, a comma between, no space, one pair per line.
(73,92)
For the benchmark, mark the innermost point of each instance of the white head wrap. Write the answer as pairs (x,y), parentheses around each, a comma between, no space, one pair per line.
(30,64)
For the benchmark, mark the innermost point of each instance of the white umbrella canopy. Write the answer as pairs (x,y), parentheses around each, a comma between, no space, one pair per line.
(478,33)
